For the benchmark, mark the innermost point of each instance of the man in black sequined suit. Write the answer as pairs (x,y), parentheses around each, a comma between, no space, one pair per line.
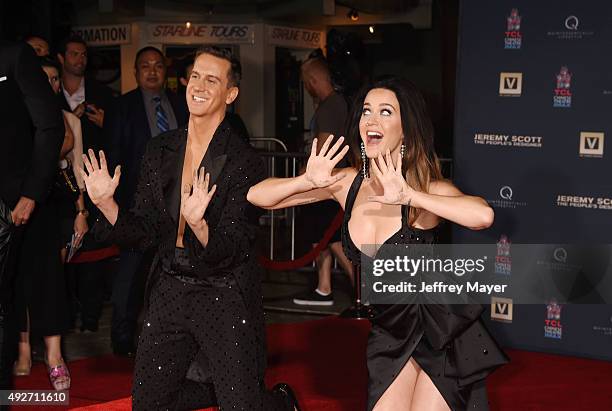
(203,341)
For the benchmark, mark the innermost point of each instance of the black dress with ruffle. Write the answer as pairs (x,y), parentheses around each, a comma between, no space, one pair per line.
(449,342)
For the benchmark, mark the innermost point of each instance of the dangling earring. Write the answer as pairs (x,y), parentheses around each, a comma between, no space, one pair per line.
(364,161)
(402,150)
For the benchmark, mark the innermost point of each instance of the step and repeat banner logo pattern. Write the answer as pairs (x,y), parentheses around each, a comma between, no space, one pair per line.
(533,110)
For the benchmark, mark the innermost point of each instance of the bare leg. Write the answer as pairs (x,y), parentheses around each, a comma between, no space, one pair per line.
(54,351)
(24,360)
(426,396)
(324,265)
(53,342)
(336,249)
(398,396)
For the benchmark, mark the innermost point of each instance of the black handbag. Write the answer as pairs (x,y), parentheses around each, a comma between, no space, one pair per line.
(66,184)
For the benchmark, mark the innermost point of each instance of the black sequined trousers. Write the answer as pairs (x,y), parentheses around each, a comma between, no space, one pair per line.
(190,324)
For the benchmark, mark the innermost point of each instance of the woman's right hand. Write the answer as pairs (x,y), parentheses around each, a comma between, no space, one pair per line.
(100,185)
(320,165)
(80,227)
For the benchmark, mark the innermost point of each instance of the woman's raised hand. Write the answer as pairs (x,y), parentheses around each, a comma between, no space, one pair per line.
(99,184)
(320,165)
(395,188)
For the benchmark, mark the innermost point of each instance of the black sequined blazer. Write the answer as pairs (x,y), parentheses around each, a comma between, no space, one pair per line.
(153,220)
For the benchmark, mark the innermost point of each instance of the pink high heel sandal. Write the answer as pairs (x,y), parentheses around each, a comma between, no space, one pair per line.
(59,377)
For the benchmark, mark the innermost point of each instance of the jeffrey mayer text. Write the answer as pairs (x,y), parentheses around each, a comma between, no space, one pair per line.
(439,287)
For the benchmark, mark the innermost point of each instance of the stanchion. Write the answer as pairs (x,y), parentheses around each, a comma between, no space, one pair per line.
(358,310)
(309,256)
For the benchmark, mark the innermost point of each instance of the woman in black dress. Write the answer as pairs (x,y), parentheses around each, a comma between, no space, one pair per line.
(41,297)
(420,357)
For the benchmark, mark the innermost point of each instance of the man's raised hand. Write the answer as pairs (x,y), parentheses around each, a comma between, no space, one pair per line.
(98,182)
(195,202)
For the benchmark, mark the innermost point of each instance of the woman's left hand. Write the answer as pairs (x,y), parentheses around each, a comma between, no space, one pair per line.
(395,188)
(80,228)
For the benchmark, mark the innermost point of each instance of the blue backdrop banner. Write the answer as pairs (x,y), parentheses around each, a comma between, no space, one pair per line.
(534,111)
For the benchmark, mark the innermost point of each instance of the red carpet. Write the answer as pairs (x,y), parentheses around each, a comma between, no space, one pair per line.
(324,361)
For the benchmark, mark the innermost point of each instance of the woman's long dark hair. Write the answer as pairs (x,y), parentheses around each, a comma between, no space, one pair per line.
(420,163)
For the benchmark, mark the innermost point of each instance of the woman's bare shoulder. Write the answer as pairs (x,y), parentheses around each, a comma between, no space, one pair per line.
(349,175)
(339,190)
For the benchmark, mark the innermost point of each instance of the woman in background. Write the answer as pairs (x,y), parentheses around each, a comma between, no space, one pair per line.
(42,296)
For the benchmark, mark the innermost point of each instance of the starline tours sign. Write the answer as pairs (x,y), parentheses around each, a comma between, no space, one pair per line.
(188,33)
(105,35)
(294,37)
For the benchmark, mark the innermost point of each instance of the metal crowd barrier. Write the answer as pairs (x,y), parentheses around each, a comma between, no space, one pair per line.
(282,163)
(273,149)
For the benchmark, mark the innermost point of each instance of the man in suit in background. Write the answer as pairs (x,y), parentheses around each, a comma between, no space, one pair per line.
(138,116)
(83,96)
(31,135)
(88,100)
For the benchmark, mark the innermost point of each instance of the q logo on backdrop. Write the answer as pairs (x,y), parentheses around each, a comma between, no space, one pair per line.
(571,23)
(506,193)
(560,254)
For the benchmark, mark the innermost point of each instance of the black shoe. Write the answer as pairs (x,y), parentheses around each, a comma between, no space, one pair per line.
(284,391)
(124,350)
(314,298)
